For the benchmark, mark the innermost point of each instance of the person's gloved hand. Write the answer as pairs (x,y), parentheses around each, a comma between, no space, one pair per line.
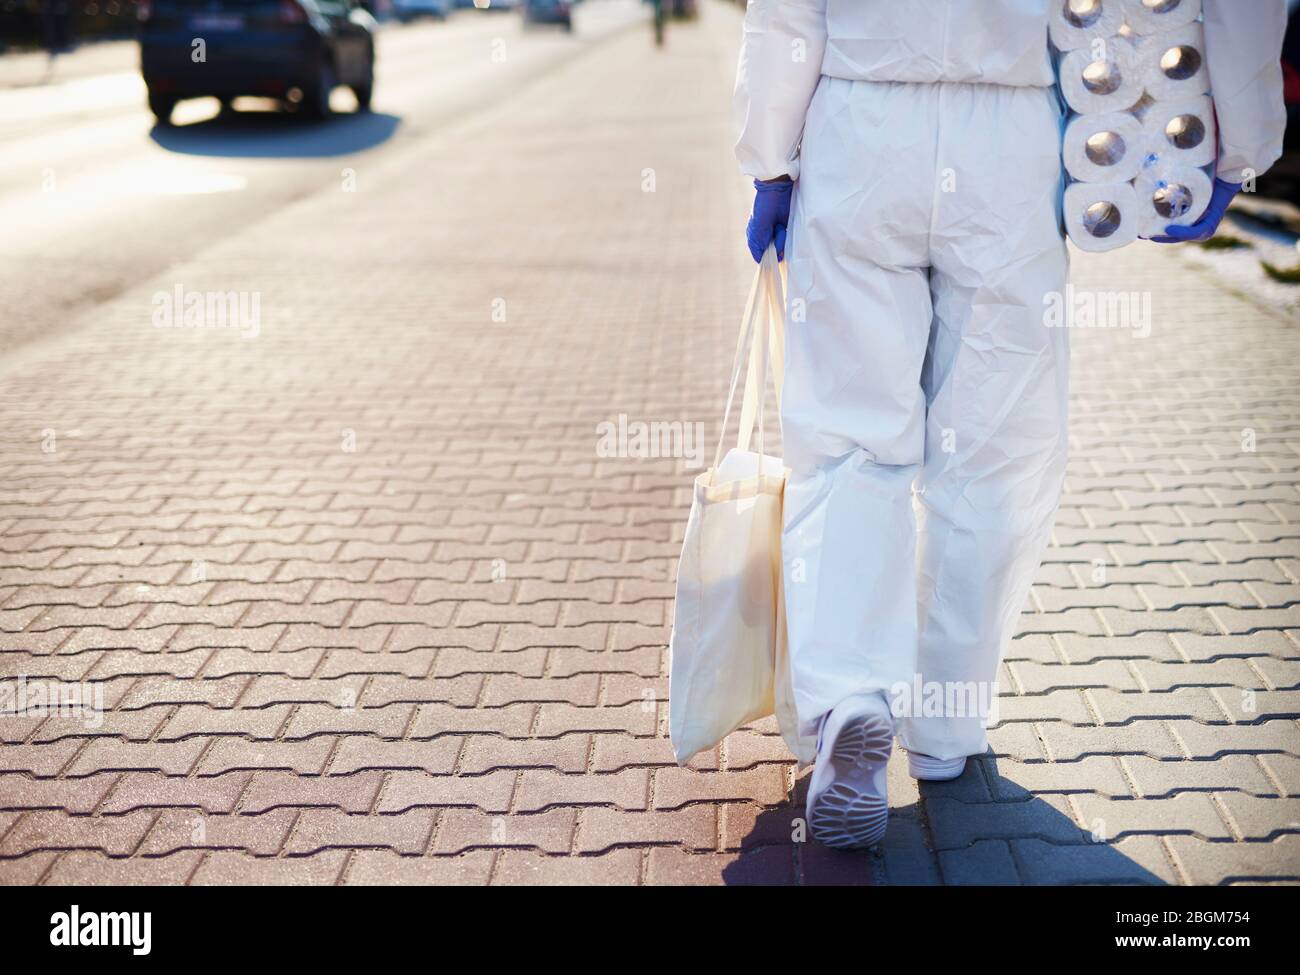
(1204,228)
(771,213)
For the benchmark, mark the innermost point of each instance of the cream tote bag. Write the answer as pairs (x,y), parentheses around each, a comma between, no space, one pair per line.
(728,660)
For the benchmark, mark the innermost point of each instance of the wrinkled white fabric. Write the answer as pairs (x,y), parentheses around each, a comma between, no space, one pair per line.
(1243,53)
(789,44)
(917,356)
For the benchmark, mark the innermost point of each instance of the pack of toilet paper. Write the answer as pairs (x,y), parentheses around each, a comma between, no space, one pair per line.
(1140,142)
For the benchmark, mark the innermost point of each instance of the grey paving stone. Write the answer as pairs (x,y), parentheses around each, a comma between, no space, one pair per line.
(1066,743)
(1209,740)
(955,824)
(1112,819)
(1116,707)
(1019,780)
(1230,672)
(1261,818)
(904,856)
(1134,860)
(1285,769)
(1157,779)
(1206,863)
(983,862)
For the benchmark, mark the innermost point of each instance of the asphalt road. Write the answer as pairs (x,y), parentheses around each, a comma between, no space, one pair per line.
(95,196)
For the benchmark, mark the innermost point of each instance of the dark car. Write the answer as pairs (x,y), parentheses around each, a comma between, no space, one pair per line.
(296,50)
(548,12)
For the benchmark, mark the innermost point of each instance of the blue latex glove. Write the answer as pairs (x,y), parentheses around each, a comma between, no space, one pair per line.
(771,214)
(1204,228)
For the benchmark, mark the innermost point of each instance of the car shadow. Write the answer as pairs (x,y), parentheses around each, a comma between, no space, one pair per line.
(277,135)
(981,828)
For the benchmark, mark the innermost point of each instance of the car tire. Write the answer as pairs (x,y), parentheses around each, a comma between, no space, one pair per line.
(161,106)
(316,97)
(365,90)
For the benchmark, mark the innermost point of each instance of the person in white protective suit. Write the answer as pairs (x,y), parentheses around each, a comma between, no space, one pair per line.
(922,140)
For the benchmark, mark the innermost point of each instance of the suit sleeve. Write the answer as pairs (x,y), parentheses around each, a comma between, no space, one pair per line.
(1243,54)
(780,64)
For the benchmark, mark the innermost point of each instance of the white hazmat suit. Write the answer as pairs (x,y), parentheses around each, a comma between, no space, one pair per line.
(924,240)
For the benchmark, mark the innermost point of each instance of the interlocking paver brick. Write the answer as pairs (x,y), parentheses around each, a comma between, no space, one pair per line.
(407,789)
(676,787)
(484,753)
(618,867)
(56,829)
(1189,812)
(275,789)
(539,789)
(692,828)
(761,867)
(305,757)
(955,824)
(1065,743)
(459,830)
(241,869)
(1157,779)
(1209,741)
(1259,817)
(262,834)
(1225,863)
(1102,774)
(80,796)
(148,790)
(1132,860)
(983,862)
(356,753)
(322,829)
(85,868)
(385,868)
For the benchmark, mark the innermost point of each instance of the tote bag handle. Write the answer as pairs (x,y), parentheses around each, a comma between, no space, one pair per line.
(757,344)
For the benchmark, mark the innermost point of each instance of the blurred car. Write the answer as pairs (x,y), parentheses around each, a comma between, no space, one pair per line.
(548,12)
(496,4)
(409,10)
(296,50)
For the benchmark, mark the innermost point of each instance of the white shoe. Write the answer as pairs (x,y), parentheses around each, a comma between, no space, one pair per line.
(929,769)
(848,806)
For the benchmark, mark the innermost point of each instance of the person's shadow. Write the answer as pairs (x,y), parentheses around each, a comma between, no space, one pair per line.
(981,828)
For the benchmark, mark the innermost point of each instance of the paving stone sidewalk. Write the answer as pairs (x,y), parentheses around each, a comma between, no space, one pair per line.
(366,605)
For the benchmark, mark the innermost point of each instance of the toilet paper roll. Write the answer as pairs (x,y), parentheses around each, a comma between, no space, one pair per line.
(1170,194)
(1101,216)
(1172,64)
(1105,148)
(1157,16)
(1072,24)
(1181,131)
(1105,77)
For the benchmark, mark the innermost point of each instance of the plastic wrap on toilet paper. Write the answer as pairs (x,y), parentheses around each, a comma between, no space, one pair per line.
(1172,64)
(1102,78)
(1105,148)
(1141,144)
(1157,16)
(1170,194)
(1181,130)
(1101,216)
(1072,26)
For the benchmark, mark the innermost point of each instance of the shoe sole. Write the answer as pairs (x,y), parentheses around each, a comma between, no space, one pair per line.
(849,814)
